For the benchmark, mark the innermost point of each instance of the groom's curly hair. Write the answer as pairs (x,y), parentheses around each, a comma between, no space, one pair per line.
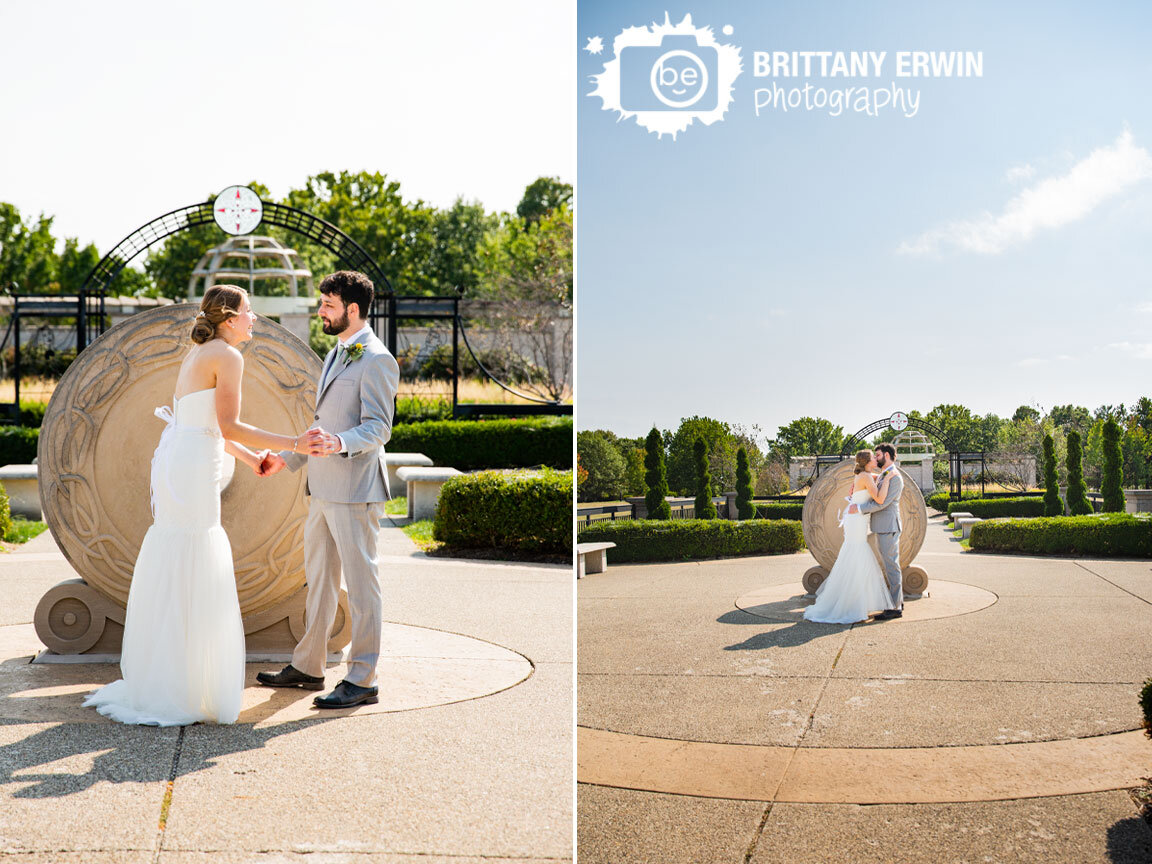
(350,286)
(887,448)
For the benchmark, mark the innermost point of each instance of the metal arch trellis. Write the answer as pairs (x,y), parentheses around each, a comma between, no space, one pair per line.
(300,222)
(956,458)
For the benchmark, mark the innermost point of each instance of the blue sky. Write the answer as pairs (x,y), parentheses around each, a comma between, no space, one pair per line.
(992,250)
(116,112)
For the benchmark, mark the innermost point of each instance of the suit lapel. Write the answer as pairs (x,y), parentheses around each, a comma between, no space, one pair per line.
(326,375)
(342,368)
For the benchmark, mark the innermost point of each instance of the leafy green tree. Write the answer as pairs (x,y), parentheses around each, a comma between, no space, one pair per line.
(632,452)
(1110,485)
(542,196)
(654,478)
(605,467)
(717,437)
(1053,506)
(744,506)
(1026,413)
(1078,504)
(808,436)
(705,509)
(1071,417)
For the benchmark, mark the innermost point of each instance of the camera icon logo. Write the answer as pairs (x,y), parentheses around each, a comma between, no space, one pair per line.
(668,76)
(679,74)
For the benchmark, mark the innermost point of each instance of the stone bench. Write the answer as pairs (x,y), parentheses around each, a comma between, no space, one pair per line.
(592,558)
(22,485)
(956,516)
(965,524)
(423,488)
(395,461)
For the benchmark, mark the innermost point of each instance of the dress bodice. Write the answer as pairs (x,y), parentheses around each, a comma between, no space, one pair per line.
(860,496)
(197,409)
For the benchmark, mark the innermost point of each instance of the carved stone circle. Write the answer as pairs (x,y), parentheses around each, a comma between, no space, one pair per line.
(824,536)
(99,433)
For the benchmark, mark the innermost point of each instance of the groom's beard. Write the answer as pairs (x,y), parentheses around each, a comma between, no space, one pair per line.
(336,326)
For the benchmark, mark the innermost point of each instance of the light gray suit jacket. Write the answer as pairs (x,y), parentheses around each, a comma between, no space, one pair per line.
(886,516)
(357,403)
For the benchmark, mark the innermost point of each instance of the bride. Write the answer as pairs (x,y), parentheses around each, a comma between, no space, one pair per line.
(182,658)
(856,585)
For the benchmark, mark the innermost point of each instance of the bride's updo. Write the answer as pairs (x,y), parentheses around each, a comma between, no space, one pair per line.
(863,457)
(220,303)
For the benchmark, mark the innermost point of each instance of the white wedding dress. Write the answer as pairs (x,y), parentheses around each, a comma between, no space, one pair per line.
(856,585)
(183,657)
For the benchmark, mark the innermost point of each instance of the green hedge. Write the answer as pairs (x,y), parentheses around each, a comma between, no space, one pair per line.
(18,445)
(493,509)
(476,444)
(680,539)
(940,500)
(1105,534)
(779,509)
(1146,706)
(990,508)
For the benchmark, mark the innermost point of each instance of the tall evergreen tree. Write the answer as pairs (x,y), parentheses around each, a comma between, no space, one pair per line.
(1111,481)
(744,505)
(705,509)
(655,477)
(1053,506)
(1078,504)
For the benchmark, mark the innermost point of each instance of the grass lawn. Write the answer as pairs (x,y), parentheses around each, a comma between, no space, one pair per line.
(396,506)
(421,534)
(23,530)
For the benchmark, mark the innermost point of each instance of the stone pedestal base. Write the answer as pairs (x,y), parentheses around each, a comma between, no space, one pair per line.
(74,619)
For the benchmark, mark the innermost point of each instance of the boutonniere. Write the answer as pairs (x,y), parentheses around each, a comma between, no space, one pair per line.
(353,352)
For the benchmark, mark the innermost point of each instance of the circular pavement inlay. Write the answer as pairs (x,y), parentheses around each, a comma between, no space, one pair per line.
(787,603)
(418,668)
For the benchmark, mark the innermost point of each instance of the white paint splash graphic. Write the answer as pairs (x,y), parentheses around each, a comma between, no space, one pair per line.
(666,85)
(595,45)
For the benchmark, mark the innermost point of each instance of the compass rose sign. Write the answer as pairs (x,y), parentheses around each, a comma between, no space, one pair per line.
(238,210)
(898,421)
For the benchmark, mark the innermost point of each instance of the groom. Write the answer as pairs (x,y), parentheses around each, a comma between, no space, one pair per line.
(356,397)
(886,526)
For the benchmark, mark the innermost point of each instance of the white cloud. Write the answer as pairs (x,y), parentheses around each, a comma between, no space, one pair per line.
(1103,174)
(1020,173)
(1135,350)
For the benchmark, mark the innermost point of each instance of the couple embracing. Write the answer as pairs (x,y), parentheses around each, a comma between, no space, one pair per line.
(183,655)
(856,586)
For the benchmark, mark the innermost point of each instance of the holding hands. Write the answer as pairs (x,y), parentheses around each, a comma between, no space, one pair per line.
(314,442)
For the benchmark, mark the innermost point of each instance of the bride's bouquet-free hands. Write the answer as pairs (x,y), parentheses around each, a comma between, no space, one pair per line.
(314,442)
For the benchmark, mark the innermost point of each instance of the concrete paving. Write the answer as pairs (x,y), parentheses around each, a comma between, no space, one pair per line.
(467,757)
(937,722)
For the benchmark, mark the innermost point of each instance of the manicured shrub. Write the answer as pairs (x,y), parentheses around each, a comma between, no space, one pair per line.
(5,513)
(744,506)
(1122,535)
(684,539)
(1078,504)
(1053,505)
(32,413)
(655,477)
(18,445)
(525,511)
(779,509)
(940,500)
(1110,482)
(1146,706)
(475,444)
(417,409)
(991,508)
(704,507)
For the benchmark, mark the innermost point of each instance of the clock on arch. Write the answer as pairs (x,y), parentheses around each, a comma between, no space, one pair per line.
(898,421)
(238,210)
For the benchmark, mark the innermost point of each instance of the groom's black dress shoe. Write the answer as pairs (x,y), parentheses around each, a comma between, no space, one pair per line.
(346,694)
(290,676)
(889,614)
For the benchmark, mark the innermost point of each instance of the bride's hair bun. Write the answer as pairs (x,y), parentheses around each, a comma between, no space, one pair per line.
(220,303)
(863,457)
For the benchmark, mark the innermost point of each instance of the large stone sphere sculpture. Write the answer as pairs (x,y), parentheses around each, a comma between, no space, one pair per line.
(96,444)
(824,536)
